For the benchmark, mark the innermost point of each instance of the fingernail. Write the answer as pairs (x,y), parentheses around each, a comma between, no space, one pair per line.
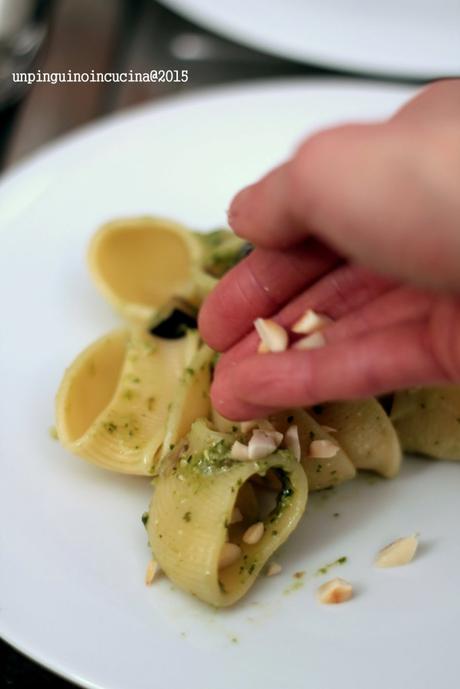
(237,205)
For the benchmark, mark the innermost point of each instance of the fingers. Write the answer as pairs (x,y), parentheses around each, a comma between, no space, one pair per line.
(377,362)
(418,352)
(258,287)
(340,292)
(399,305)
(372,192)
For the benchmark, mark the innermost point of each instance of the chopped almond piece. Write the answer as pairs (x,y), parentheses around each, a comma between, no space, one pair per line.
(334,591)
(229,554)
(273,335)
(253,535)
(397,553)
(292,442)
(236,516)
(310,322)
(152,571)
(313,341)
(276,436)
(239,451)
(273,569)
(323,449)
(261,445)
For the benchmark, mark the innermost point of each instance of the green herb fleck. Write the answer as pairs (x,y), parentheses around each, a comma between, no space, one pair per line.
(324,570)
(145,518)
(187,517)
(110,427)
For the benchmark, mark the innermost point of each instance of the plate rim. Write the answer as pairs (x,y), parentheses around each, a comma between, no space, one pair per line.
(317,58)
(68,143)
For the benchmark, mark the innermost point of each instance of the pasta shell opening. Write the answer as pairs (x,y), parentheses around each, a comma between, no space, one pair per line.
(89,385)
(140,264)
(215,521)
(259,506)
(114,401)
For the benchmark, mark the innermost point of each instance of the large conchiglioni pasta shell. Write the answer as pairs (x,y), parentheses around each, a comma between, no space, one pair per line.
(365,432)
(190,515)
(427,420)
(114,400)
(140,264)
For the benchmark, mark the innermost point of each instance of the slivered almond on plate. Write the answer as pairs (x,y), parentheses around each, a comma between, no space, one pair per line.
(397,553)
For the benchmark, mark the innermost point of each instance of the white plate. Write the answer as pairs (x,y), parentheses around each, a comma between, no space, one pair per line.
(73,548)
(408,38)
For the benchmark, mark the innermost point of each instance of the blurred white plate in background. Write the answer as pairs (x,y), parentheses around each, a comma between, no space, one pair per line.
(406,38)
(73,549)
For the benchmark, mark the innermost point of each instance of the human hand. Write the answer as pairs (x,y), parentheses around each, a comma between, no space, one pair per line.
(370,218)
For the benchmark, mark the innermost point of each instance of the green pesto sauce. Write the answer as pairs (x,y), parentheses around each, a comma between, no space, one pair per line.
(247,567)
(284,497)
(127,427)
(145,519)
(213,459)
(324,570)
